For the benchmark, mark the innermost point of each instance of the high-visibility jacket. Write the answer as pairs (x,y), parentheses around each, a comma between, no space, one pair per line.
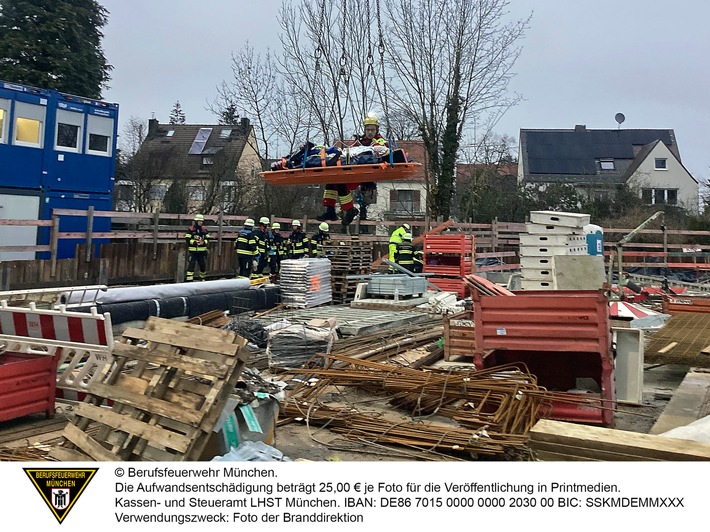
(277,246)
(377,140)
(261,237)
(297,244)
(197,238)
(318,240)
(404,256)
(246,243)
(418,261)
(395,238)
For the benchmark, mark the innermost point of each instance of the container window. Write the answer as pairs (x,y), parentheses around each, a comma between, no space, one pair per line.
(4,114)
(29,124)
(68,135)
(100,138)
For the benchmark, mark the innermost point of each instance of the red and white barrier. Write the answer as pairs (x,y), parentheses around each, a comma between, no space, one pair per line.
(82,342)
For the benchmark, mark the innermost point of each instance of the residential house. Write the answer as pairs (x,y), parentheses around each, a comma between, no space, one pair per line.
(216,166)
(403,199)
(599,161)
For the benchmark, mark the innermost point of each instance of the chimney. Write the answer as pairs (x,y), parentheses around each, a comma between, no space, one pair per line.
(152,126)
(580,127)
(245,125)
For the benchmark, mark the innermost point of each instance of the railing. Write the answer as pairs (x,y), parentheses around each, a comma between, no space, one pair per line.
(149,247)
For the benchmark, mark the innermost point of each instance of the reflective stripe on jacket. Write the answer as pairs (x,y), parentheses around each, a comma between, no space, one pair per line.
(246,243)
(193,236)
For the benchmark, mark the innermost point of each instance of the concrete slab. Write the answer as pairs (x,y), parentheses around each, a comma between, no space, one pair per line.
(690,402)
(380,303)
(351,321)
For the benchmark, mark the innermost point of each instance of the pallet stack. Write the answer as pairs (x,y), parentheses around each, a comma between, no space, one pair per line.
(305,283)
(347,257)
(450,258)
(549,234)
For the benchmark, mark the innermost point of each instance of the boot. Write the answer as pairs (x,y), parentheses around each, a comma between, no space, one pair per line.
(329,214)
(350,216)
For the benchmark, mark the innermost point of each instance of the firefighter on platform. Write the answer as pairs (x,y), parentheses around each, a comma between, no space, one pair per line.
(197,239)
(246,248)
(277,248)
(320,239)
(262,237)
(297,241)
(404,253)
(343,192)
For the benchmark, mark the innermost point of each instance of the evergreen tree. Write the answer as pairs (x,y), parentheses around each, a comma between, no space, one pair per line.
(229,116)
(177,116)
(54,44)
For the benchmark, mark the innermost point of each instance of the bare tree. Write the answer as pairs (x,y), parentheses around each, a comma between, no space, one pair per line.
(452,61)
(132,136)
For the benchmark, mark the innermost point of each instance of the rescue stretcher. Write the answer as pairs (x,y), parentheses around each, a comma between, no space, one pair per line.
(336,175)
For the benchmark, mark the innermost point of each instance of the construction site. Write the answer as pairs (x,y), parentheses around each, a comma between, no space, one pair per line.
(517,342)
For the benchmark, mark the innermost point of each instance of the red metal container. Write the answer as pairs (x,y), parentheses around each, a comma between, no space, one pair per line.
(562,336)
(27,384)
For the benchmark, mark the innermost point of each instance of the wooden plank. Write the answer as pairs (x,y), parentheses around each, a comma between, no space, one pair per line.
(148,404)
(133,384)
(668,347)
(155,434)
(64,454)
(182,328)
(632,443)
(587,453)
(218,368)
(88,444)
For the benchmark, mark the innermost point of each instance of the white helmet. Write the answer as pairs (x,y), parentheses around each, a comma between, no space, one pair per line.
(324,227)
(276,225)
(249,222)
(407,227)
(264,220)
(296,223)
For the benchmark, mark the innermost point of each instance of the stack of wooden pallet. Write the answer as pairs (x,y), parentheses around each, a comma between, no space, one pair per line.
(347,257)
(167,395)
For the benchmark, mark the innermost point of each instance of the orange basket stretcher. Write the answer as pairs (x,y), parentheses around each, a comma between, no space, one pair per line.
(336,175)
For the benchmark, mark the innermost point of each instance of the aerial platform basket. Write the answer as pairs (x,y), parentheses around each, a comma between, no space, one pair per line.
(336,175)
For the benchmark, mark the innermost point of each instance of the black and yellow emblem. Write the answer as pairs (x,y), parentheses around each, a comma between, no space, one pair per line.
(60,488)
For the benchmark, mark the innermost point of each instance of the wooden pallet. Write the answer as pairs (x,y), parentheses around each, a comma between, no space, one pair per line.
(166,396)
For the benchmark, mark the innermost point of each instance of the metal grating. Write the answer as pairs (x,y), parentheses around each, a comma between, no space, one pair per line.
(691,332)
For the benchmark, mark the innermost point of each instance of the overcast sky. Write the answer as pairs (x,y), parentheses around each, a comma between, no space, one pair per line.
(582,62)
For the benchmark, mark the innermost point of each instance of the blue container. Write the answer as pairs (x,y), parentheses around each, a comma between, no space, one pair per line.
(74,224)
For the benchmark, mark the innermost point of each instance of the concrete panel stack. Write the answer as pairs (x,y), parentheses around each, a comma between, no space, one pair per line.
(550,234)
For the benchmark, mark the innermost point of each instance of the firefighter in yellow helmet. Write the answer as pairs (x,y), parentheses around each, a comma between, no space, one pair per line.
(246,248)
(343,192)
(320,239)
(197,238)
(297,241)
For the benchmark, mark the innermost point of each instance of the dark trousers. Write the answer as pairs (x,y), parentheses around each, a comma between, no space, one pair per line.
(274,264)
(197,258)
(245,265)
(263,260)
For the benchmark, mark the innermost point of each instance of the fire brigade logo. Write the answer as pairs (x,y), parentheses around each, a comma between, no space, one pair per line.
(60,488)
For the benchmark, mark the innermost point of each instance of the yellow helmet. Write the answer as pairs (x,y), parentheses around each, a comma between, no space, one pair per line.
(249,222)
(297,223)
(371,120)
(324,227)
(264,220)
(276,225)
(199,218)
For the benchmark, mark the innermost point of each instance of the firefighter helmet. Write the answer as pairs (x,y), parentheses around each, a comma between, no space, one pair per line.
(276,225)
(371,120)
(407,227)
(264,220)
(249,222)
(324,227)
(296,223)
(407,236)
(199,218)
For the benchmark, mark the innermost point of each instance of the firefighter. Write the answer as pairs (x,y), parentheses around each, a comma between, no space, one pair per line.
(246,248)
(320,239)
(343,192)
(297,241)
(197,239)
(404,254)
(277,248)
(418,260)
(262,236)
(396,238)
